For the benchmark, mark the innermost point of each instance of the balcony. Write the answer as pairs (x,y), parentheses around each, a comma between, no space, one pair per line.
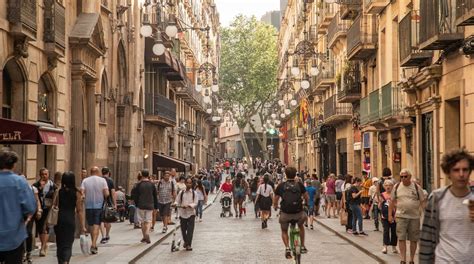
(409,37)
(337,29)
(349,9)
(160,110)
(464,13)
(437,25)
(392,111)
(364,111)
(54,28)
(362,38)
(325,78)
(351,86)
(374,109)
(335,112)
(325,15)
(375,6)
(22,18)
(191,96)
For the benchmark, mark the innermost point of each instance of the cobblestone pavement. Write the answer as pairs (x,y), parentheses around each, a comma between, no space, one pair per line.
(231,240)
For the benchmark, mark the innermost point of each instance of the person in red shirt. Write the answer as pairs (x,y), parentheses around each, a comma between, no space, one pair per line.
(227,186)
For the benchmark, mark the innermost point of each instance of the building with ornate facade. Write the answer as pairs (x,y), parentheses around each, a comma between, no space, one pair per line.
(79,73)
(392,89)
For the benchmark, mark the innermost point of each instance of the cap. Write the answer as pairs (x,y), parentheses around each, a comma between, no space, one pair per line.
(375,179)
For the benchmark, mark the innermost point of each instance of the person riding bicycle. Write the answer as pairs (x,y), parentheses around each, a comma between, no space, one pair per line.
(292,194)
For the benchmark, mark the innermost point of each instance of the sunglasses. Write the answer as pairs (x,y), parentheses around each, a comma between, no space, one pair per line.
(403,177)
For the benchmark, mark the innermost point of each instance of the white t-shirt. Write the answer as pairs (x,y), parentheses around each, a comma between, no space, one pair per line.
(265,190)
(456,234)
(94,187)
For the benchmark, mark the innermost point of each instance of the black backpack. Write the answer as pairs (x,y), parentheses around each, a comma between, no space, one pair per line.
(384,208)
(291,201)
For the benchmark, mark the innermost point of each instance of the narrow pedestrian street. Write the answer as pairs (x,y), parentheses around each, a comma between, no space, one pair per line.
(233,240)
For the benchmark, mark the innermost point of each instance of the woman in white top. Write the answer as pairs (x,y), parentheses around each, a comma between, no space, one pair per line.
(264,199)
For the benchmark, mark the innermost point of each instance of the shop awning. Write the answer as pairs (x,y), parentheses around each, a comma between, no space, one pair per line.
(15,132)
(163,162)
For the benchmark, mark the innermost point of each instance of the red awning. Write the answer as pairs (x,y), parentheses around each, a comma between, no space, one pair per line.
(15,132)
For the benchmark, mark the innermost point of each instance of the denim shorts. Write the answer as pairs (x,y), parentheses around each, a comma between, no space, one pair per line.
(93,216)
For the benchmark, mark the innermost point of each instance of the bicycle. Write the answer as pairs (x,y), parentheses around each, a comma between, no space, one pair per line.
(295,241)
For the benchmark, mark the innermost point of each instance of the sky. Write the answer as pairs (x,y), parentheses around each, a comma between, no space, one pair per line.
(228,9)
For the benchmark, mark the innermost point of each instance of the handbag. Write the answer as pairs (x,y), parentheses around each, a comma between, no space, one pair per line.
(52,218)
(85,247)
(109,214)
(343,217)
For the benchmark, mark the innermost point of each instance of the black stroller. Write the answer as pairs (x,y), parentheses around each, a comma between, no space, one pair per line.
(226,202)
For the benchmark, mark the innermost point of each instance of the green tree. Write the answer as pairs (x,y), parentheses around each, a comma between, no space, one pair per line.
(247,73)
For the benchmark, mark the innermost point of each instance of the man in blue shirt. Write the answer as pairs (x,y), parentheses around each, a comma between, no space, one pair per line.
(17,203)
(311,192)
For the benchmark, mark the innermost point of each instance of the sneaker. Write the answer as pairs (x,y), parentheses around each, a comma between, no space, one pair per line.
(311,226)
(304,250)
(94,250)
(288,253)
(147,239)
(143,240)
(305,225)
(189,248)
(108,238)
(263,224)
(103,240)
(42,253)
(363,233)
(355,233)
(165,229)
(349,231)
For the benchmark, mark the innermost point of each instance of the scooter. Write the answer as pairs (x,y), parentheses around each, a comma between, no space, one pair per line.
(175,245)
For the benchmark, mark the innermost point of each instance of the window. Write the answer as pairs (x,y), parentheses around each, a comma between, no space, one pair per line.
(103,100)
(44,102)
(6,95)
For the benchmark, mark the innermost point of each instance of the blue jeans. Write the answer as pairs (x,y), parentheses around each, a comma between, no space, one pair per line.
(199,208)
(356,218)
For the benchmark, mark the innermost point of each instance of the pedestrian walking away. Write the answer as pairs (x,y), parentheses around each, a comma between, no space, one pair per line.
(264,199)
(110,201)
(16,210)
(145,197)
(69,201)
(447,235)
(310,205)
(186,202)
(357,219)
(95,190)
(202,199)
(292,194)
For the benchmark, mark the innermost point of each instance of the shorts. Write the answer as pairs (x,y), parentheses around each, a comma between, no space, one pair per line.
(408,229)
(365,200)
(93,216)
(41,226)
(286,218)
(144,216)
(310,211)
(338,196)
(331,198)
(165,209)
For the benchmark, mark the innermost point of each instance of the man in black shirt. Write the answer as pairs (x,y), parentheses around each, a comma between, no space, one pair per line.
(354,193)
(292,194)
(111,200)
(145,198)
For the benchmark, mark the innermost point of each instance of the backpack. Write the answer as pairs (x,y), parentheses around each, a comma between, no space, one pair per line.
(384,208)
(291,201)
(182,193)
(416,189)
(159,184)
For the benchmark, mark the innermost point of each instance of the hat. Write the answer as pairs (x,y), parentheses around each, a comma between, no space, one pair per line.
(375,179)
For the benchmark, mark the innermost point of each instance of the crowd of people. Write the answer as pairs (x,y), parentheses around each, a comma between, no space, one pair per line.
(441,222)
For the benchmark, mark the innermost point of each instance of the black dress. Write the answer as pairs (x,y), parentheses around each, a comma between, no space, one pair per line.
(66,224)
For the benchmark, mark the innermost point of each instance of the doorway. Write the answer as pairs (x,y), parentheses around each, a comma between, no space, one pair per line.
(427,150)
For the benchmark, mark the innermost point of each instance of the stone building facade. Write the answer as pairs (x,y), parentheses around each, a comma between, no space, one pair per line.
(73,67)
(392,89)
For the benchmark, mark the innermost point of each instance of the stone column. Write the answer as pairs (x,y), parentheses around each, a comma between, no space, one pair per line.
(418,148)
(77,123)
(91,122)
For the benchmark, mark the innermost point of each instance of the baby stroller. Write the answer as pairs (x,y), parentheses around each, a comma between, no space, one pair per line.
(226,202)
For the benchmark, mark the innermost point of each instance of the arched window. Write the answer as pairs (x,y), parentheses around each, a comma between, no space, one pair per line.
(6,95)
(103,99)
(44,102)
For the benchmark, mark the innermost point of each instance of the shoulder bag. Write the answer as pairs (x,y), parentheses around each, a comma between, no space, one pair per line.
(52,218)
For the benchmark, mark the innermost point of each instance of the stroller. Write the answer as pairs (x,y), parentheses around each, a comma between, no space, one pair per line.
(226,202)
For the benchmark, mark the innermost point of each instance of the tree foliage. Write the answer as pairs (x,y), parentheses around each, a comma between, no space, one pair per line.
(248,67)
